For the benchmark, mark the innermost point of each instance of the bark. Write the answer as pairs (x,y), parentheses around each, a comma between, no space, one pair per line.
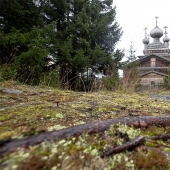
(128,145)
(163,137)
(93,127)
(132,144)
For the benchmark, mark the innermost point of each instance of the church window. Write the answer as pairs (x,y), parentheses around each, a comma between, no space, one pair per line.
(153,62)
(152,83)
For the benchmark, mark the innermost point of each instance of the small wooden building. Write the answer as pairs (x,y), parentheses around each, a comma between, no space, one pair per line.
(155,62)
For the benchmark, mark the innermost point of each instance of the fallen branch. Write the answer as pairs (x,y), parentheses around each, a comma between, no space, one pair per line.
(128,145)
(163,137)
(131,144)
(93,127)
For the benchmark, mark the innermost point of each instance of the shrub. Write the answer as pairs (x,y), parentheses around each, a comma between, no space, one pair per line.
(7,72)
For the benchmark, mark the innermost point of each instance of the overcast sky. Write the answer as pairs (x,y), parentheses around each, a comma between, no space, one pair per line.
(134,15)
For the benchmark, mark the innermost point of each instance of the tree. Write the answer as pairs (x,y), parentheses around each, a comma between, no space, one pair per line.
(17,15)
(131,77)
(132,57)
(24,39)
(112,81)
(85,38)
(104,32)
(30,63)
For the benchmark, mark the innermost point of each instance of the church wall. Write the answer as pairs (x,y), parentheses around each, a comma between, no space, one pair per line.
(145,64)
(163,71)
(160,63)
(152,77)
(147,82)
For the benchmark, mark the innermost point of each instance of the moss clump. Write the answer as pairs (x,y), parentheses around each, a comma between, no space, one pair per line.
(33,163)
(153,131)
(152,159)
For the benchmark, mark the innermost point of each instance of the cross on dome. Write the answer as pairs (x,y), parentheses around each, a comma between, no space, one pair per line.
(165,30)
(145,31)
(156,32)
(156,21)
(166,39)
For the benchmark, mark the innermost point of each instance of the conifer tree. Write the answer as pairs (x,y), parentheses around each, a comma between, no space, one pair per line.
(112,81)
(23,39)
(131,57)
(131,77)
(16,16)
(94,31)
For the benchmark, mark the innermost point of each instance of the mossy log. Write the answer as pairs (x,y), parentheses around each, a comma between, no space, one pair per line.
(93,127)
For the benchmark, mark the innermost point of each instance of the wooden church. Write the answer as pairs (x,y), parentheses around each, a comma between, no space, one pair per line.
(155,62)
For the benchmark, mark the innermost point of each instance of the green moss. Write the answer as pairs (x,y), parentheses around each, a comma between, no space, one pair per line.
(36,111)
(153,131)
(167,149)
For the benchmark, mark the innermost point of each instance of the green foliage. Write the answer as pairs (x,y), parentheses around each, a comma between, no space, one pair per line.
(74,35)
(112,81)
(50,78)
(10,44)
(19,14)
(31,62)
(131,51)
(89,39)
(7,72)
(131,78)
(16,18)
(28,54)
(167,79)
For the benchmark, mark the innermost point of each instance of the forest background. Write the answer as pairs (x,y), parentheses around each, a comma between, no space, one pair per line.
(59,43)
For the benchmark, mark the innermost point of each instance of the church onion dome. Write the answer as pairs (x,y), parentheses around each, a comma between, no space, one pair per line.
(166,39)
(145,40)
(156,32)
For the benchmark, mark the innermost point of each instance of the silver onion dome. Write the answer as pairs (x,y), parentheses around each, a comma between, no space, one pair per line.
(156,32)
(145,40)
(166,39)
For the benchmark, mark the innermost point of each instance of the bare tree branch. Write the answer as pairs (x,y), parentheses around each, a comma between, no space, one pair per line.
(128,145)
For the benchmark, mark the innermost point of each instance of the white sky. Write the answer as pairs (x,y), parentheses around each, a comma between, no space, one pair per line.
(134,15)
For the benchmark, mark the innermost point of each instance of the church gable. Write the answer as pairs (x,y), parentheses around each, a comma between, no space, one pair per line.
(152,75)
(152,78)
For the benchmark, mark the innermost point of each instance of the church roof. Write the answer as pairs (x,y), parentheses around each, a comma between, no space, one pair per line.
(157,47)
(156,32)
